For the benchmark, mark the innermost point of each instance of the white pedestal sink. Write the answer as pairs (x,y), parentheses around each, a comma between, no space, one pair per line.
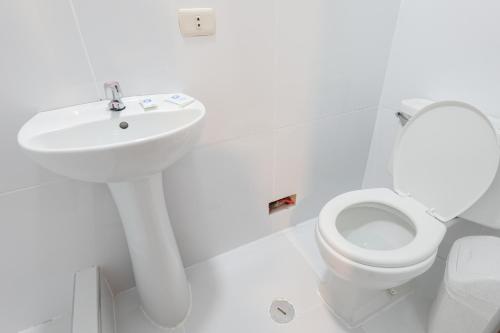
(127,150)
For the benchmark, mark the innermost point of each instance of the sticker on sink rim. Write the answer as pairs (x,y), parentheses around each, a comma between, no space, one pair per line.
(180,99)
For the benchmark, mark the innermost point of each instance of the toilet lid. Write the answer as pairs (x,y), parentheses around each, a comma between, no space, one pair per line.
(446,158)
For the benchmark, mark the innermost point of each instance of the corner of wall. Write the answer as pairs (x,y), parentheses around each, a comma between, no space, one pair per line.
(367,178)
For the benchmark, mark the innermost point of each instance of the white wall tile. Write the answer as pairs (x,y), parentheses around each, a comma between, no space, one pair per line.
(47,233)
(132,42)
(217,196)
(321,159)
(386,129)
(457,229)
(231,72)
(451,58)
(330,56)
(42,67)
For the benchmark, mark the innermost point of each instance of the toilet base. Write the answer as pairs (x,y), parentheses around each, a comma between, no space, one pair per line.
(354,305)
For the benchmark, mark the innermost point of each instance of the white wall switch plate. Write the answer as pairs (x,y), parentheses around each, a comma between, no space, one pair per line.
(196,21)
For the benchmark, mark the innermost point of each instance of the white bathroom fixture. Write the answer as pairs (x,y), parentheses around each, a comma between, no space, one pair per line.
(90,143)
(469,297)
(127,150)
(445,158)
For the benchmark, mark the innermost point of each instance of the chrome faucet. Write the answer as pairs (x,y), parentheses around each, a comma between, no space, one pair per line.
(115,104)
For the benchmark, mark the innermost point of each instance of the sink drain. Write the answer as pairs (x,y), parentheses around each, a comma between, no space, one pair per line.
(282,311)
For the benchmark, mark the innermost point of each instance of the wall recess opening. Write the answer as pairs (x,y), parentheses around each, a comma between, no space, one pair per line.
(283,203)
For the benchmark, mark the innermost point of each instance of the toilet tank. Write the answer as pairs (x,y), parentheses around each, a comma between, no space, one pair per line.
(486,211)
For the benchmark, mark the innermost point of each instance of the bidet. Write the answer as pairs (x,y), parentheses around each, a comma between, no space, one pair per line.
(128,151)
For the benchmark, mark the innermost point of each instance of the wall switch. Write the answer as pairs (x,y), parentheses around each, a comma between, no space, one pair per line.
(196,21)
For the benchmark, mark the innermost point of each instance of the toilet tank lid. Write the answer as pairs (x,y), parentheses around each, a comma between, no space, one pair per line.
(446,157)
(473,268)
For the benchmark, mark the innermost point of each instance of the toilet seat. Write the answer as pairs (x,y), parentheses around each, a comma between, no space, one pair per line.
(445,159)
(428,232)
(371,277)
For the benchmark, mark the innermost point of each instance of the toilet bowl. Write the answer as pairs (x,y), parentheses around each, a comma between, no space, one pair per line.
(376,241)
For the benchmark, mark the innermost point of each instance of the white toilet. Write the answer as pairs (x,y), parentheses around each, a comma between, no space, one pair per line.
(375,241)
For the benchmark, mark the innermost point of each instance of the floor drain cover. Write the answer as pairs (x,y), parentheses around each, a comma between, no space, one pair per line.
(282,311)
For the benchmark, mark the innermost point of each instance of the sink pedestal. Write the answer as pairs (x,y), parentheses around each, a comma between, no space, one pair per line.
(158,269)
(128,150)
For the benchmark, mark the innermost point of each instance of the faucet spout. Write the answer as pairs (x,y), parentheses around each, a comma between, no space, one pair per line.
(116,103)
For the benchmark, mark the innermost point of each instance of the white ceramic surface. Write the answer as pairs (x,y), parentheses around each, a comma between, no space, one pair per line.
(43,68)
(320,52)
(158,270)
(321,159)
(86,142)
(429,187)
(90,142)
(484,211)
(446,157)
(395,247)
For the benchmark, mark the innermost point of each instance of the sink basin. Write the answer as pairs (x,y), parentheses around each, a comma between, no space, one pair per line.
(128,150)
(86,142)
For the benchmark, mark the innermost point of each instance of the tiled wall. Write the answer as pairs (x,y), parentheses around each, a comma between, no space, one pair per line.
(442,50)
(291,89)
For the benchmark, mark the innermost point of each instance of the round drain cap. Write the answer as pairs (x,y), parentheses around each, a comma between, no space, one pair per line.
(282,311)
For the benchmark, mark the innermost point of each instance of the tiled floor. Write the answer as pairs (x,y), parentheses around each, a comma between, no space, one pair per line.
(232,292)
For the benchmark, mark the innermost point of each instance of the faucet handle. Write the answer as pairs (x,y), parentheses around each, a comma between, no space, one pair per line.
(116,103)
(115,88)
